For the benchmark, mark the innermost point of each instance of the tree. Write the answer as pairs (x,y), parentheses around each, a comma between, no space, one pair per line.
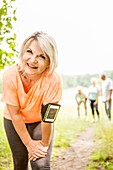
(8,50)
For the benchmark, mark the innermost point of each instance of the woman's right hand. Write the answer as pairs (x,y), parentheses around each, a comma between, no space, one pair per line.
(36,149)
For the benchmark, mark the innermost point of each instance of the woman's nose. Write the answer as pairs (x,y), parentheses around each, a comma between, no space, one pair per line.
(34,59)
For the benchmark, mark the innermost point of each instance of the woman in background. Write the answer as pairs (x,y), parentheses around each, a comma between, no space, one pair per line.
(93,95)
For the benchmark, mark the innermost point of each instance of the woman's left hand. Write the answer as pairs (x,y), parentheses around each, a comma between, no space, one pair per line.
(36,155)
(36,150)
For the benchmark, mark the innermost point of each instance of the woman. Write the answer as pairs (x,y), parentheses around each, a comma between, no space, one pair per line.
(93,95)
(28,86)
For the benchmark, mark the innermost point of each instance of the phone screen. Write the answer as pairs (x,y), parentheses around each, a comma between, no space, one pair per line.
(51,113)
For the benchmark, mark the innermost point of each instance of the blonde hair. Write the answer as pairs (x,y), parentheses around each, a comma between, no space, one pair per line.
(47,45)
(93,79)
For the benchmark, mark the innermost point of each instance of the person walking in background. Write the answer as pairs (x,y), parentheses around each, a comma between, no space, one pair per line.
(28,87)
(80,98)
(93,96)
(107,88)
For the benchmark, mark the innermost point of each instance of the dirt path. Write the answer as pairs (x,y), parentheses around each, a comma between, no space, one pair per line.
(76,156)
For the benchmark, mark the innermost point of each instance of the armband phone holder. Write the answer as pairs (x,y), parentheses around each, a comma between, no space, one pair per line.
(49,112)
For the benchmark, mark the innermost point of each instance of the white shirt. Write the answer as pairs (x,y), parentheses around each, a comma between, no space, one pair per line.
(93,92)
(107,85)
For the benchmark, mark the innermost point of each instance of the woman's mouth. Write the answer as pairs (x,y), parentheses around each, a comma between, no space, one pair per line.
(31,66)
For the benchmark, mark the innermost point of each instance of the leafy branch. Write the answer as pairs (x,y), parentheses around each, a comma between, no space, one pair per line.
(8,51)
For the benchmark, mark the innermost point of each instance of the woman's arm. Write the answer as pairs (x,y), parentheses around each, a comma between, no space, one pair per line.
(97,97)
(34,147)
(47,129)
(19,124)
(110,96)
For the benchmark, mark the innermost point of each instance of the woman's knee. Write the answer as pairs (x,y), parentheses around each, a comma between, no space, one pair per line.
(40,164)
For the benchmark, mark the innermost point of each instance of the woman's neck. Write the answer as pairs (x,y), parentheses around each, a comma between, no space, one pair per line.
(32,78)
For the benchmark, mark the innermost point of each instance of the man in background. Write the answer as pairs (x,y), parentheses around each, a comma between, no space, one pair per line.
(107,88)
(80,98)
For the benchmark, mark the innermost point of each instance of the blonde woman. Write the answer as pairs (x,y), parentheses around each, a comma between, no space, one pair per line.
(28,86)
(93,95)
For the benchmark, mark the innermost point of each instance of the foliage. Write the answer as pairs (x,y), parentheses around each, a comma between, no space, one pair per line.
(7,38)
(72,81)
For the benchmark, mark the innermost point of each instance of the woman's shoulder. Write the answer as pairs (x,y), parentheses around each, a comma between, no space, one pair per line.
(52,75)
(10,72)
(55,77)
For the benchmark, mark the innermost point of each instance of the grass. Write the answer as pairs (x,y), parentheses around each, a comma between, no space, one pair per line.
(67,128)
(102,157)
(5,154)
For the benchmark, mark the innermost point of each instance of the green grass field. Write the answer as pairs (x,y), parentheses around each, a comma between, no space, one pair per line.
(102,157)
(5,154)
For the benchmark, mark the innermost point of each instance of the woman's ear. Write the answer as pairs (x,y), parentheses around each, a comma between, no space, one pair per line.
(48,66)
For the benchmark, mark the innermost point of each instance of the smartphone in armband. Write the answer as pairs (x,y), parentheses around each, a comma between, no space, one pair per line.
(49,112)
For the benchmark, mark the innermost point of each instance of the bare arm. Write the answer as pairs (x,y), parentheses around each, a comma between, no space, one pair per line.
(34,147)
(98,94)
(110,95)
(19,124)
(47,129)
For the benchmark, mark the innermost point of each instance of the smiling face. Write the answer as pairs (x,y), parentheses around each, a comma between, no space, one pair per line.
(35,61)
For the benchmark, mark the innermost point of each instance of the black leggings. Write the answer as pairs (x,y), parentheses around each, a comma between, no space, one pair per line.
(19,151)
(93,107)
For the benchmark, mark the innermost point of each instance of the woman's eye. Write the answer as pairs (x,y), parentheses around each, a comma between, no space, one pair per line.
(29,51)
(43,57)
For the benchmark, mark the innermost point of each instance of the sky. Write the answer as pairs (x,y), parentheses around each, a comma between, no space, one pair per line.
(83,30)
